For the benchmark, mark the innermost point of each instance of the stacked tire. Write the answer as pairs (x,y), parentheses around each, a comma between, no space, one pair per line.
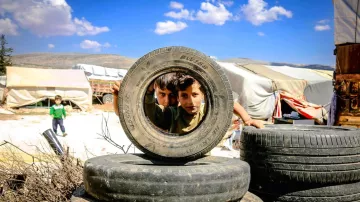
(173,167)
(303,163)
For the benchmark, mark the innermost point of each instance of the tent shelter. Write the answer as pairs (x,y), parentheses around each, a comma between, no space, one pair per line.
(29,85)
(259,86)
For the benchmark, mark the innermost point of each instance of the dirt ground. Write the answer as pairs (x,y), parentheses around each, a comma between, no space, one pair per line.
(24,129)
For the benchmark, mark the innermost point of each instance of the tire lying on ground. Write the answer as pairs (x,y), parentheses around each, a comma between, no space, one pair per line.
(311,193)
(139,178)
(218,95)
(307,154)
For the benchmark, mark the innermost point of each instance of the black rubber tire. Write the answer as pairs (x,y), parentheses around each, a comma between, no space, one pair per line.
(309,154)
(310,193)
(138,178)
(219,104)
(107,99)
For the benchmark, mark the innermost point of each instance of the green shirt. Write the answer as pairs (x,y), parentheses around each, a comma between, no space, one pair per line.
(172,119)
(57,111)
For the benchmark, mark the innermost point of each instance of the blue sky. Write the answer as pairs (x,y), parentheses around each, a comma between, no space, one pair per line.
(271,30)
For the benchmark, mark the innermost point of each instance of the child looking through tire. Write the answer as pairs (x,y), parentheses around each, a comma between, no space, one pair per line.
(185,117)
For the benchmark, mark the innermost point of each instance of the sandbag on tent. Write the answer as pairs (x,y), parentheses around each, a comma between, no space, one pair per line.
(256,94)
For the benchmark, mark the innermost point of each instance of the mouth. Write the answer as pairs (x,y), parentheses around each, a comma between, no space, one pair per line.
(191,108)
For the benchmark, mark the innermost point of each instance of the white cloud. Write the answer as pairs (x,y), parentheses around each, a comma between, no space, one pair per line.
(94,45)
(325,21)
(211,14)
(257,13)
(261,33)
(84,27)
(51,46)
(169,27)
(48,18)
(226,3)
(176,5)
(88,44)
(182,14)
(322,27)
(7,27)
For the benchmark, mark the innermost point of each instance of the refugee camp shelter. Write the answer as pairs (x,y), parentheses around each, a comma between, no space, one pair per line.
(259,86)
(28,86)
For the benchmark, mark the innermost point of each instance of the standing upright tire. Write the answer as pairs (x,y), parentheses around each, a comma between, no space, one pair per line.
(140,178)
(166,146)
(107,99)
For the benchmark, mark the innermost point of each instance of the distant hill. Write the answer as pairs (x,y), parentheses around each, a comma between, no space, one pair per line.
(67,60)
(250,61)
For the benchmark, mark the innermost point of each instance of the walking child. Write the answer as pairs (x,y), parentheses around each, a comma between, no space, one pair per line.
(57,111)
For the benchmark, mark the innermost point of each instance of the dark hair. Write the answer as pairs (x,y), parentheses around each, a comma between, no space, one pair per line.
(58,97)
(185,80)
(167,81)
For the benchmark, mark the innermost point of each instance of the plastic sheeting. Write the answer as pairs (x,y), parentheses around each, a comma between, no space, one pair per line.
(256,94)
(347,21)
(320,93)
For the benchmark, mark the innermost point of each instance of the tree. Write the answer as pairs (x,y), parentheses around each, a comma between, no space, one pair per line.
(5,55)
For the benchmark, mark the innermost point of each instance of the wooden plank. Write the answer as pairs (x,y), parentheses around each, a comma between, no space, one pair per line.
(347,59)
(348,77)
(351,126)
(349,120)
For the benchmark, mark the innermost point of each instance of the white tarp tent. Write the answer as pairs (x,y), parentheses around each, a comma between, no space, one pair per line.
(102,73)
(255,92)
(30,85)
(258,85)
(347,21)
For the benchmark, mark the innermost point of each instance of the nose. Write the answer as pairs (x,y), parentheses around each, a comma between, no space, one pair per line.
(166,100)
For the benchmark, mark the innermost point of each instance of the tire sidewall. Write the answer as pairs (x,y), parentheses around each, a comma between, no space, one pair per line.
(218,94)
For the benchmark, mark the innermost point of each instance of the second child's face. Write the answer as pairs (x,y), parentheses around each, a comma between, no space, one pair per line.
(57,101)
(191,98)
(165,97)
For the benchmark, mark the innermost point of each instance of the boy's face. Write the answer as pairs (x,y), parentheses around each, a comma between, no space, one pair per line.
(57,101)
(165,97)
(191,98)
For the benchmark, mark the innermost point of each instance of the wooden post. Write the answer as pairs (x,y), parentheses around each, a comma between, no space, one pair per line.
(347,85)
